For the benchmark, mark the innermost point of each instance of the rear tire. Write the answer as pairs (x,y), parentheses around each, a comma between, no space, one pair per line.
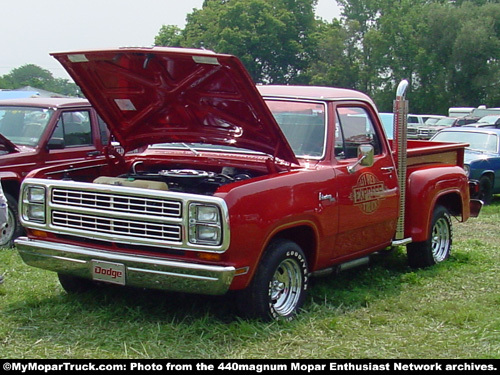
(278,289)
(437,247)
(485,190)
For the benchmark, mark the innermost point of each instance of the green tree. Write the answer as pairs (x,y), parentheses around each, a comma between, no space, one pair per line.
(169,36)
(271,37)
(3,83)
(449,51)
(459,63)
(35,76)
(336,62)
(28,75)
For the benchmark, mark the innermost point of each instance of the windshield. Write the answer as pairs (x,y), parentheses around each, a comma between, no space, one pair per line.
(477,141)
(431,121)
(489,119)
(445,122)
(303,124)
(24,125)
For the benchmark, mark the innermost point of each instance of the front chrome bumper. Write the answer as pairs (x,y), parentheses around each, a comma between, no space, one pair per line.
(140,271)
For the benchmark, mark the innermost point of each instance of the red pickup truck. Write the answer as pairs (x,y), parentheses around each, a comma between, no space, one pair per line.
(242,188)
(37,132)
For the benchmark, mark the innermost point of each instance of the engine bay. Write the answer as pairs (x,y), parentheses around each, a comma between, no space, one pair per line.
(186,180)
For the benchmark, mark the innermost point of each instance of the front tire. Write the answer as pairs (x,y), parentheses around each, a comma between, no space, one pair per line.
(278,289)
(437,247)
(75,285)
(13,228)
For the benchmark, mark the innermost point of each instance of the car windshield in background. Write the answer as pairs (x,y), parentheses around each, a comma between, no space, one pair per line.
(24,125)
(431,121)
(303,124)
(484,142)
(445,122)
(488,119)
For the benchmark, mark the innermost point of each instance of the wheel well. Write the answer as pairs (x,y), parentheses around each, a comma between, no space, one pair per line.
(490,175)
(11,187)
(304,237)
(452,202)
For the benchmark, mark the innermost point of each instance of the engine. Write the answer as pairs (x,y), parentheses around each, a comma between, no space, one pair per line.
(184,180)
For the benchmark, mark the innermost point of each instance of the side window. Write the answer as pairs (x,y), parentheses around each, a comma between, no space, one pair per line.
(103,130)
(74,128)
(353,127)
(412,120)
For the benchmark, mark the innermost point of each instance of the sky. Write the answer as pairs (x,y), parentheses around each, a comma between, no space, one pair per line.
(31,29)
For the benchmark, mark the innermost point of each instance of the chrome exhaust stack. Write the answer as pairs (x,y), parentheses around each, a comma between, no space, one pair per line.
(400,131)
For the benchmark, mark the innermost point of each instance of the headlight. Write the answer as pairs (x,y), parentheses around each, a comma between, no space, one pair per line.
(208,214)
(467,169)
(35,213)
(205,226)
(35,194)
(207,233)
(33,208)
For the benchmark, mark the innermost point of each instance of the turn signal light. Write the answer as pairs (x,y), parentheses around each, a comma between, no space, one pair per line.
(209,256)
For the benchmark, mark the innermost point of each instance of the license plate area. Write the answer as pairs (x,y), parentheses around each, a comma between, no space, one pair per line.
(108,272)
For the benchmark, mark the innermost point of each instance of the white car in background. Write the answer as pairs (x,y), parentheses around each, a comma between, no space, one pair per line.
(417,121)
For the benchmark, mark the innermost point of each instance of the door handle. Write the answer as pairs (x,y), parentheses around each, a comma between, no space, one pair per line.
(327,197)
(387,170)
(93,153)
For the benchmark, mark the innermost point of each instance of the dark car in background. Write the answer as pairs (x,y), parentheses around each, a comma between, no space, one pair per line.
(490,121)
(429,129)
(482,157)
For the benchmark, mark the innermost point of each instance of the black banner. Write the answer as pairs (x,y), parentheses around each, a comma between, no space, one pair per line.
(257,366)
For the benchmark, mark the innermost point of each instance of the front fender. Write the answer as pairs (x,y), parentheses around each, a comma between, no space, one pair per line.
(428,187)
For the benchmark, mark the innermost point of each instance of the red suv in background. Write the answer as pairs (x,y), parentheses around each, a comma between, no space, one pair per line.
(36,132)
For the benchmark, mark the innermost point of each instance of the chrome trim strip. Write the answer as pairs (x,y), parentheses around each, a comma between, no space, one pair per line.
(141,271)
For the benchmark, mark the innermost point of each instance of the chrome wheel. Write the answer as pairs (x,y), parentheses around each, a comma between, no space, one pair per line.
(279,287)
(13,228)
(441,239)
(286,287)
(437,247)
(7,232)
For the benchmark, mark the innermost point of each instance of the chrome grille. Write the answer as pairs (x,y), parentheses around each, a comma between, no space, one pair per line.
(115,226)
(118,203)
(122,215)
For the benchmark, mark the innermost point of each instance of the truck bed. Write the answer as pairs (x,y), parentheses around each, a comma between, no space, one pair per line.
(427,152)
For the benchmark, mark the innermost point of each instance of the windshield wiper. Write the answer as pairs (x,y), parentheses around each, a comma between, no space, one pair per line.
(193,150)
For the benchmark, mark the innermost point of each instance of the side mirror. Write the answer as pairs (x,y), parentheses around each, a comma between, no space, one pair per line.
(56,144)
(366,157)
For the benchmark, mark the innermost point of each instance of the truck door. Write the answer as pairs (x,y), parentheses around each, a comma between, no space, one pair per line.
(367,195)
(73,138)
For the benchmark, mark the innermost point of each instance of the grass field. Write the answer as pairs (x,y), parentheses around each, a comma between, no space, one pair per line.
(386,310)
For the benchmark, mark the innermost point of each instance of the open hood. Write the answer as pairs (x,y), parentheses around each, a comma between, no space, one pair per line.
(7,145)
(156,95)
